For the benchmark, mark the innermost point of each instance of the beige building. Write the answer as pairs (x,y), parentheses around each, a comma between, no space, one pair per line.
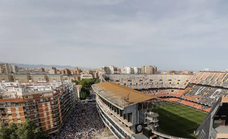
(108,70)
(13,68)
(86,76)
(22,78)
(5,77)
(112,69)
(53,70)
(55,78)
(143,69)
(39,78)
(148,70)
(5,68)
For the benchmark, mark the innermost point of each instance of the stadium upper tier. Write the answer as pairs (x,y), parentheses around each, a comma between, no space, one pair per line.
(204,95)
(219,79)
(147,81)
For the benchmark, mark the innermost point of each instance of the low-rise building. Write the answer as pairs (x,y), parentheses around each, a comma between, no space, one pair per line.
(86,76)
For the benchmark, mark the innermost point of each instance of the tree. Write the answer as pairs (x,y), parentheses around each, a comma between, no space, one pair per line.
(13,128)
(97,81)
(107,78)
(28,130)
(86,86)
(4,132)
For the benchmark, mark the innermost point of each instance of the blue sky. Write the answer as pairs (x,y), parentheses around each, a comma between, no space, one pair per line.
(173,35)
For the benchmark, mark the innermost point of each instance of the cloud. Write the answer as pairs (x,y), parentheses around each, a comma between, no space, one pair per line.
(171,34)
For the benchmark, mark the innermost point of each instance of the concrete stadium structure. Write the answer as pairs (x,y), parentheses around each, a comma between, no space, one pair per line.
(202,91)
(122,112)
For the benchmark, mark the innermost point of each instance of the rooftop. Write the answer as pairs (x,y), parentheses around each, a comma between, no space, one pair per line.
(121,96)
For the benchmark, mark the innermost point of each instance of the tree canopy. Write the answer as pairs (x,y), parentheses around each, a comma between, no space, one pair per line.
(25,130)
(86,86)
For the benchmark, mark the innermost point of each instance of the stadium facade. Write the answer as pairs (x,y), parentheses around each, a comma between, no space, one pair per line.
(122,111)
(203,91)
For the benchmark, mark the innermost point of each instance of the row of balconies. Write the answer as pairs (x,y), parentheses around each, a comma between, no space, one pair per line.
(114,124)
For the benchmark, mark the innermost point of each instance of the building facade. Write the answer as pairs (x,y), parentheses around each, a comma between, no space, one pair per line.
(127,70)
(122,111)
(48,105)
(5,68)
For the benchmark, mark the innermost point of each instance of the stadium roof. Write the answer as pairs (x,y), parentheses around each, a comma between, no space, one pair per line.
(121,96)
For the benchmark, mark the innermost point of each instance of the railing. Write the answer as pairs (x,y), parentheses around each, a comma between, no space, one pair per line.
(124,131)
(166,136)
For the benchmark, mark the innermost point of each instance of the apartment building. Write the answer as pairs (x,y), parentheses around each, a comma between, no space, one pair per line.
(47,104)
(108,70)
(4,68)
(53,70)
(148,69)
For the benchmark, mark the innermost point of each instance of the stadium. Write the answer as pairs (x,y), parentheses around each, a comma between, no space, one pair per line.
(164,106)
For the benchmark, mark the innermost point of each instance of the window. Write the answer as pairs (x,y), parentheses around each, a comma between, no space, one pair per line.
(9,109)
(46,126)
(48,103)
(9,114)
(41,95)
(26,96)
(45,113)
(18,119)
(16,109)
(50,94)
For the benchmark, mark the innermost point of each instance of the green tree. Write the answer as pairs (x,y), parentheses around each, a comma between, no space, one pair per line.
(75,81)
(107,78)
(5,132)
(97,81)
(86,86)
(13,128)
(28,130)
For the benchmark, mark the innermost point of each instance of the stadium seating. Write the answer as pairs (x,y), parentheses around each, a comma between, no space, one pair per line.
(147,81)
(219,79)
(165,92)
(204,95)
(199,91)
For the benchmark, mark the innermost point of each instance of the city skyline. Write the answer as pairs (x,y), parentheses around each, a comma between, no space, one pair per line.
(180,35)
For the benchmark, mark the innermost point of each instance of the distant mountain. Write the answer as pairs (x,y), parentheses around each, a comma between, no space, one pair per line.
(44,66)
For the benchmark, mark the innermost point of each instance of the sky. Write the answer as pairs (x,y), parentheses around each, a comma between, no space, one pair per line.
(170,34)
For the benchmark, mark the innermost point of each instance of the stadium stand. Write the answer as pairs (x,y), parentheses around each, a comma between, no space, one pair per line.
(199,91)
(143,81)
(204,95)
